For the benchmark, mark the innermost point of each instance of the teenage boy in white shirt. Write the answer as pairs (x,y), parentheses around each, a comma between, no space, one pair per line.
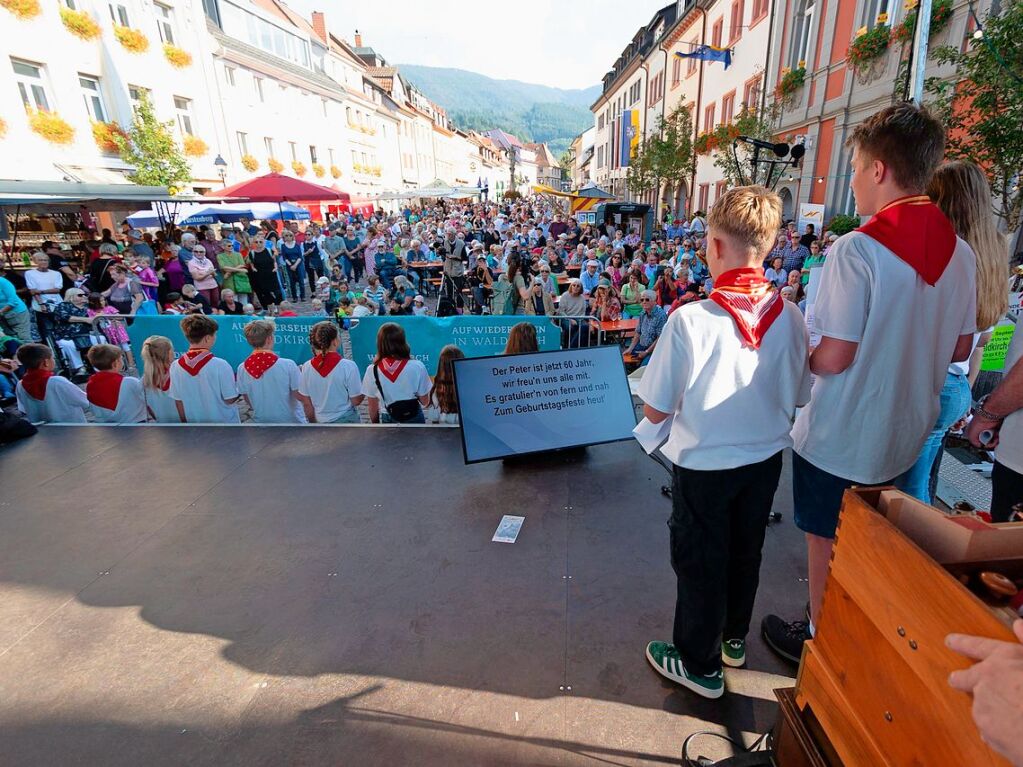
(730,371)
(43,396)
(115,397)
(269,382)
(896,304)
(203,385)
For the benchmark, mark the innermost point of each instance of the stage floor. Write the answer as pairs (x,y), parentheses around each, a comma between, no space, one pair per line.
(331,596)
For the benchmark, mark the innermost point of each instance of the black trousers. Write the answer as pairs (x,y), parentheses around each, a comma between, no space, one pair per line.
(1006,492)
(718,521)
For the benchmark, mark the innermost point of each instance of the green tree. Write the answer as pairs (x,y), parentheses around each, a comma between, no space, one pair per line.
(738,166)
(150,148)
(982,107)
(665,160)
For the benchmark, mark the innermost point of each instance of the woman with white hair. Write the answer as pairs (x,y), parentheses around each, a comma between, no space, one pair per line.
(72,326)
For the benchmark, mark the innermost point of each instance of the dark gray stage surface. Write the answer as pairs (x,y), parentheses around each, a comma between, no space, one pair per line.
(331,596)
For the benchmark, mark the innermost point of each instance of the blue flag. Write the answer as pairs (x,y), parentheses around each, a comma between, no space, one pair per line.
(708,53)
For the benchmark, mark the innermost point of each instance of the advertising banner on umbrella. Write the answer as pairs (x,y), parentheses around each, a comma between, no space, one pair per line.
(476,336)
(291,338)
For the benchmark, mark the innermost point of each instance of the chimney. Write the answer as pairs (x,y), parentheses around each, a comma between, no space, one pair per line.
(320,25)
(358,39)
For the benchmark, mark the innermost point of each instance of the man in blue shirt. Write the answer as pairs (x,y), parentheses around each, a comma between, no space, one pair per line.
(648,330)
(590,278)
(794,254)
(13,312)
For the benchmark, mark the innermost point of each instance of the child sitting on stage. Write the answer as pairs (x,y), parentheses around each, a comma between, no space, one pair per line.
(329,380)
(157,359)
(203,385)
(115,398)
(269,382)
(43,396)
(730,372)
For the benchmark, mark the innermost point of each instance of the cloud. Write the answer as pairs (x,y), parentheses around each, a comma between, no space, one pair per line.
(561,43)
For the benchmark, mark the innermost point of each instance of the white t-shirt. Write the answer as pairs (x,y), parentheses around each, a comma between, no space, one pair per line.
(131,404)
(271,393)
(331,394)
(362,311)
(433,414)
(868,423)
(732,405)
(412,382)
(1009,452)
(63,403)
(36,280)
(163,405)
(203,394)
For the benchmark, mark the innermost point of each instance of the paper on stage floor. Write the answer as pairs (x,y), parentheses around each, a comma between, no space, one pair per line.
(508,530)
(652,435)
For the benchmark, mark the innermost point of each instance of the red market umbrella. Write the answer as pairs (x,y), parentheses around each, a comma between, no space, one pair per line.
(275,187)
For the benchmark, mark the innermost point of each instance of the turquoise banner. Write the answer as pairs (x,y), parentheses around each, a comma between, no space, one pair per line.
(291,339)
(477,336)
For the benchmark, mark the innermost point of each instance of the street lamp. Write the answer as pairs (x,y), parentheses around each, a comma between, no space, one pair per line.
(221,165)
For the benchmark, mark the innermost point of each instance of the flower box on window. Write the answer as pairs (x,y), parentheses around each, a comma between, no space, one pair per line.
(250,163)
(335,171)
(193,146)
(103,133)
(319,170)
(131,39)
(299,168)
(80,24)
(51,126)
(275,165)
(176,56)
(22,9)
(868,47)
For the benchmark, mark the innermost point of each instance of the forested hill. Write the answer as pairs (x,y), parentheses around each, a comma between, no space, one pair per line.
(532,112)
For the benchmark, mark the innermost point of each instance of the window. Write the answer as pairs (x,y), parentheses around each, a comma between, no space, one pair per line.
(183,109)
(93,98)
(600,122)
(759,10)
(135,94)
(312,154)
(716,32)
(365,161)
(751,92)
(877,12)
(735,29)
(676,71)
(323,106)
(257,87)
(708,118)
(719,189)
(728,108)
(294,151)
(119,14)
(802,26)
(229,73)
(165,23)
(268,145)
(70,5)
(31,85)
(330,156)
(691,66)
(355,158)
(243,143)
(704,197)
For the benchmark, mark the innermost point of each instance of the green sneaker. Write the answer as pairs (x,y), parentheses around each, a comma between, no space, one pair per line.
(733,652)
(666,661)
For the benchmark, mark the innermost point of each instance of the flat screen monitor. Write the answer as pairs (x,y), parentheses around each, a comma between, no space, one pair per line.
(530,403)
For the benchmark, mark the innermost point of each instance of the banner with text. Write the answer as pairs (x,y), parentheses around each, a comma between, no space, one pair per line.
(528,403)
(291,339)
(476,336)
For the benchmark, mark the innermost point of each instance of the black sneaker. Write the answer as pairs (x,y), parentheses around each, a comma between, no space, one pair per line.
(785,638)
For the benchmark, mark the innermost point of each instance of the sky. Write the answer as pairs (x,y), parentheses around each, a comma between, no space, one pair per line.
(560,43)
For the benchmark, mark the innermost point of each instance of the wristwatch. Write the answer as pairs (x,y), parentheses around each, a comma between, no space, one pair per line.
(979,410)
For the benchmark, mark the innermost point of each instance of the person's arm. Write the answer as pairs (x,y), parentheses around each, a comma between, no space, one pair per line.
(307,405)
(964,347)
(374,409)
(995,683)
(1006,399)
(832,356)
(181,410)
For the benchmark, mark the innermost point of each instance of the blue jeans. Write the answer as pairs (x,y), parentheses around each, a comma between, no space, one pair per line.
(346,267)
(955,402)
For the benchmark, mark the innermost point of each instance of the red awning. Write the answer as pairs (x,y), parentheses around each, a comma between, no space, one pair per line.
(275,187)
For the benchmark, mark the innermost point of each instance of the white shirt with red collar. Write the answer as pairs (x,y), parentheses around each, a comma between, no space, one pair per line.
(116,398)
(201,382)
(269,382)
(53,399)
(330,381)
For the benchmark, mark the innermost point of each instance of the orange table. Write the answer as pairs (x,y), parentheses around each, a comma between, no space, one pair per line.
(620,326)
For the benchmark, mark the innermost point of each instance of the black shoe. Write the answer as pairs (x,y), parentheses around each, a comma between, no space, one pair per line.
(786,639)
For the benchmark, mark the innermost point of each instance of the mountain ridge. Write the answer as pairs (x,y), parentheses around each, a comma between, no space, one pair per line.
(533,112)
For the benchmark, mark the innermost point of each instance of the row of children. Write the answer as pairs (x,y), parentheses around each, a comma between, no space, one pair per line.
(200,387)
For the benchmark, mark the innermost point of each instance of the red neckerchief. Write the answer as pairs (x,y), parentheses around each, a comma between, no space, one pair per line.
(751,300)
(287,313)
(104,389)
(915,230)
(391,368)
(325,363)
(34,382)
(259,362)
(195,360)
(165,386)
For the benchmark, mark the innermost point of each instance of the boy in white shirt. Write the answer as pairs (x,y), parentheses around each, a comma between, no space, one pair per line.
(203,385)
(43,396)
(730,372)
(115,397)
(328,380)
(269,382)
(896,304)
